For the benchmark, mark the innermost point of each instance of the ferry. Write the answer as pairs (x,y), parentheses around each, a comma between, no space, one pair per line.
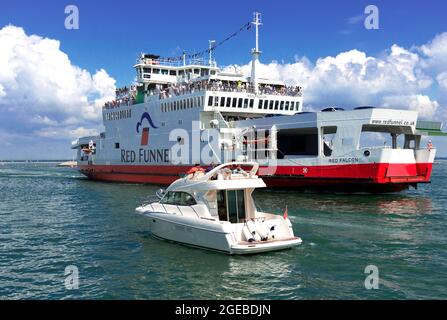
(215,210)
(186,110)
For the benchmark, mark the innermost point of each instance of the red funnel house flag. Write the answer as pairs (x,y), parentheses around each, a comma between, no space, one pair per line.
(286,215)
(145,137)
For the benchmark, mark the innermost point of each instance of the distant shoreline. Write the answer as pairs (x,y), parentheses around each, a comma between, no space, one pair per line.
(64,160)
(35,161)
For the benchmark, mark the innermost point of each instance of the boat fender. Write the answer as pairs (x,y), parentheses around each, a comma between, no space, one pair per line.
(262,230)
(247,234)
(252,228)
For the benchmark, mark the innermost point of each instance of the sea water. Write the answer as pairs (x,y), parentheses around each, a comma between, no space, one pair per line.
(54,221)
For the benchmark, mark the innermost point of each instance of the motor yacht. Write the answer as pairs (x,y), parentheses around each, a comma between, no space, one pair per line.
(215,210)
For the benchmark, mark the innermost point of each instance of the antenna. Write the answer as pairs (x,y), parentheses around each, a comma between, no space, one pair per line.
(257,22)
(255,52)
(211,42)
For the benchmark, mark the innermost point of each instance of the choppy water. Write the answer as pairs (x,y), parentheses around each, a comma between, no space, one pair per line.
(52,217)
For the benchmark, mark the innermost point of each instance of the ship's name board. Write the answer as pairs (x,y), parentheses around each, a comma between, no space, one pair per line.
(144,155)
(393,122)
(344,160)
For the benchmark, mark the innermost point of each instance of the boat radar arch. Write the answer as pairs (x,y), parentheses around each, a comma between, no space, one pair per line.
(221,178)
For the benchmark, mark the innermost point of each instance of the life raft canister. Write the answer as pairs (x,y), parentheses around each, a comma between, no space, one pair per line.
(247,234)
(262,230)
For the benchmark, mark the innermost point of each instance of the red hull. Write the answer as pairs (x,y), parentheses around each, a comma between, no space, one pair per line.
(378,177)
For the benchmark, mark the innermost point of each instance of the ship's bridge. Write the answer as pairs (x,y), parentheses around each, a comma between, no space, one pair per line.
(151,69)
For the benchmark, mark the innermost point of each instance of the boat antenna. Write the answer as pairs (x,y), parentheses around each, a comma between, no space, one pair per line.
(211,46)
(255,52)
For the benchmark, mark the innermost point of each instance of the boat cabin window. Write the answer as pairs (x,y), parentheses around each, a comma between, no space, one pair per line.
(231,205)
(178,199)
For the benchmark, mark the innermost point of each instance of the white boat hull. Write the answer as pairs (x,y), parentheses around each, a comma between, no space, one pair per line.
(211,235)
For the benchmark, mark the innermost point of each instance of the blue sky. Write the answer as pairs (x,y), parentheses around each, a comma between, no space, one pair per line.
(112,33)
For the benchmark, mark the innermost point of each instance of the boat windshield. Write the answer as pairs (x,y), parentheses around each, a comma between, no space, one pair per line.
(178,198)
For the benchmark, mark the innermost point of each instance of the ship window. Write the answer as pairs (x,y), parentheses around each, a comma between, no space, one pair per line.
(282,106)
(117,145)
(156,71)
(287,105)
(222,101)
(213,72)
(172,72)
(164,71)
(181,72)
(234,103)
(228,102)
(245,103)
(260,102)
(196,71)
(210,101)
(178,199)
(276,105)
(239,105)
(266,104)
(293,143)
(216,101)
(383,136)
(328,135)
(292,105)
(271,104)
(297,105)
(252,101)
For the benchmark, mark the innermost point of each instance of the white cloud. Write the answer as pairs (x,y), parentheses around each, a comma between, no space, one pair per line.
(420,103)
(356,19)
(435,53)
(442,80)
(65,133)
(41,89)
(398,77)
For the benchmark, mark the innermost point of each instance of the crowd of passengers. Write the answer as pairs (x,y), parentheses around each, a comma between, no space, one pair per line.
(226,86)
(125,96)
